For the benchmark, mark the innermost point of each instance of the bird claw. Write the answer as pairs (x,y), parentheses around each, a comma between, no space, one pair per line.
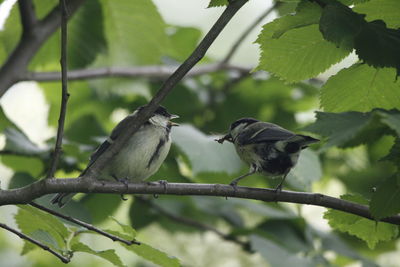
(277,191)
(234,185)
(164,183)
(125,182)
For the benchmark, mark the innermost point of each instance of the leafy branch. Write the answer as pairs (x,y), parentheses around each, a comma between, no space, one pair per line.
(28,193)
(33,37)
(85,225)
(37,243)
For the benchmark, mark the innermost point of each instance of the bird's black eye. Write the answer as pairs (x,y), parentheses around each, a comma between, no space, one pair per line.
(246,121)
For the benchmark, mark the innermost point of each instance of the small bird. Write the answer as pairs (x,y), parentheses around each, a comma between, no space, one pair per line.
(268,148)
(140,158)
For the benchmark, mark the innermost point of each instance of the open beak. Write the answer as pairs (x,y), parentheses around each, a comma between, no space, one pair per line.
(173,117)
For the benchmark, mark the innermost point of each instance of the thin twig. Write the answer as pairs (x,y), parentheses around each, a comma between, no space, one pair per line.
(23,154)
(27,15)
(85,225)
(154,72)
(26,194)
(64,89)
(193,223)
(246,32)
(144,114)
(37,243)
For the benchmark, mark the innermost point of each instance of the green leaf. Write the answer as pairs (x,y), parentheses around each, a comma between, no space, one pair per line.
(184,41)
(378,45)
(17,141)
(349,129)
(391,119)
(219,208)
(85,129)
(394,153)
(20,179)
(195,144)
(101,212)
(361,88)
(108,254)
(374,43)
(42,226)
(5,122)
(386,10)
(154,255)
(141,214)
(299,54)
(11,32)
(216,3)
(28,246)
(127,230)
(135,32)
(307,170)
(339,24)
(265,209)
(386,200)
(30,165)
(307,13)
(85,35)
(277,255)
(369,231)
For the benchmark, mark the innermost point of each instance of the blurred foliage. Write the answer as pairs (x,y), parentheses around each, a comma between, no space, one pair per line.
(359,124)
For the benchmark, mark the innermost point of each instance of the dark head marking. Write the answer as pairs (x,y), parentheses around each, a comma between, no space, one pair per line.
(246,121)
(159,111)
(162,111)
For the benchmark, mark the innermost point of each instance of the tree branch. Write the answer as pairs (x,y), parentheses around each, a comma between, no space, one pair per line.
(17,62)
(246,32)
(156,72)
(85,225)
(37,243)
(28,193)
(64,90)
(144,114)
(28,17)
(22,154)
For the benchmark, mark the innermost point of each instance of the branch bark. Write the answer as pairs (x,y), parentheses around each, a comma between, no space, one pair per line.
(28,193)
(156,72)
(27,14)
(29,44)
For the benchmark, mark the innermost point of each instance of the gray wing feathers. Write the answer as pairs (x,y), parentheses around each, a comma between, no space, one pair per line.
(106,144)
(263,132)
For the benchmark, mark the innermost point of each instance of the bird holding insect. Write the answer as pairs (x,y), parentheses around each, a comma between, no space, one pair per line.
(268,148)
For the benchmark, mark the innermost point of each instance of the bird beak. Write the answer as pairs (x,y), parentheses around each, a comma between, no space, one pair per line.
(173,123)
